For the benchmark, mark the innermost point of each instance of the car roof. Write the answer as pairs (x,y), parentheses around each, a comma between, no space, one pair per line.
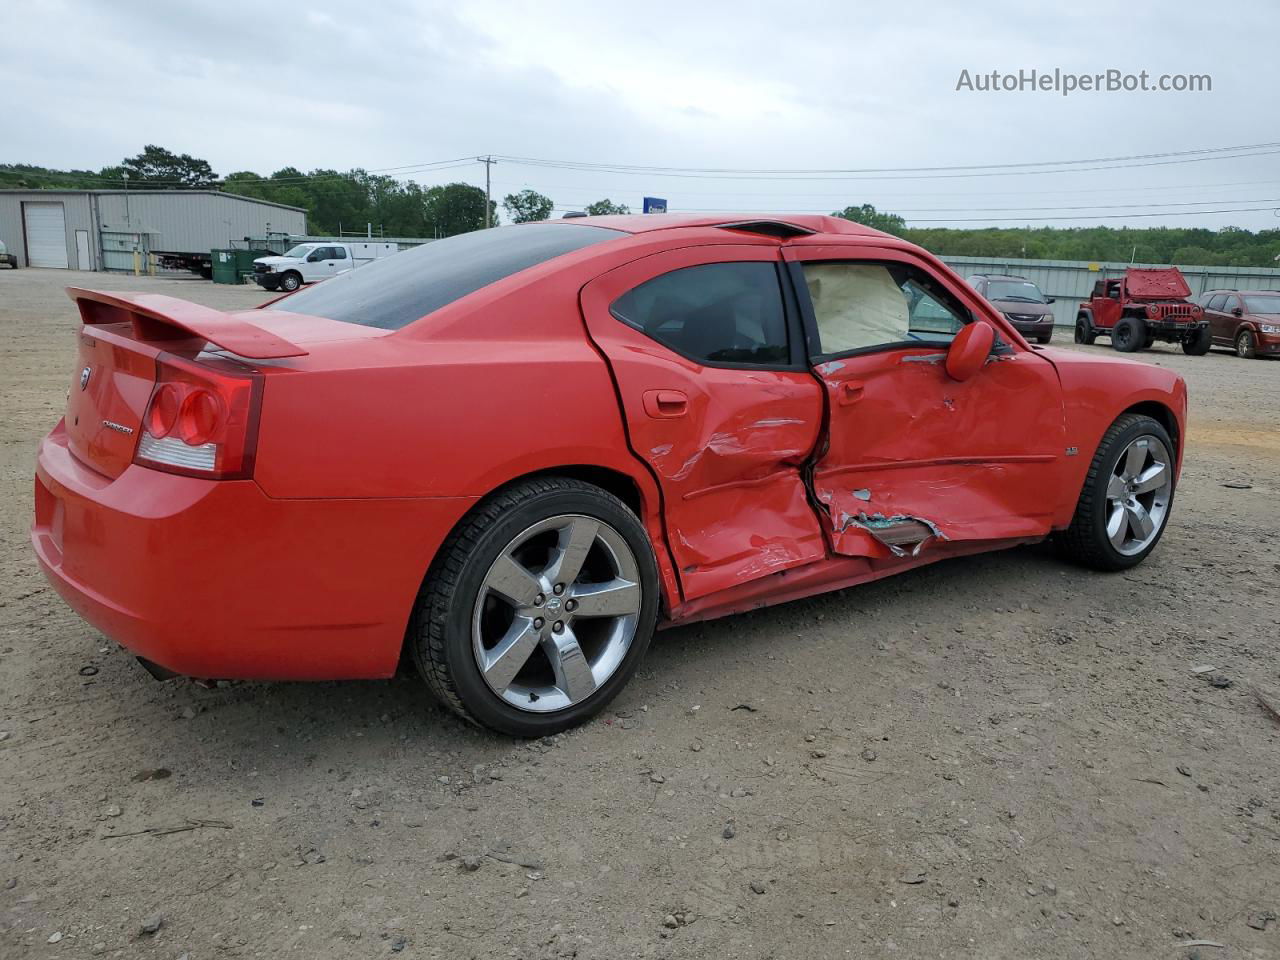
(636,223)
(1001,276)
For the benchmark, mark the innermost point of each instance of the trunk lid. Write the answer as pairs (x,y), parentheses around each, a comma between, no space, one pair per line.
(109,391)
(115,370)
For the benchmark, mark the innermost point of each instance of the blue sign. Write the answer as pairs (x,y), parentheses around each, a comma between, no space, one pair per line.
(655,205)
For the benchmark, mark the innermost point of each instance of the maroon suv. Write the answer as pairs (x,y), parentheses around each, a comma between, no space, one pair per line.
(1248,321)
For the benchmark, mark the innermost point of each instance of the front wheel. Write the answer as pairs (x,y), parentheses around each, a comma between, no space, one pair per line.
(1197,343)
(290,281)
(1084,330)
(1129,335)
(538,609)
(1245,347)
(1127,497)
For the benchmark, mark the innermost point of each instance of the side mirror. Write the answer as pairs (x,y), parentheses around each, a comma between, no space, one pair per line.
(1237,312)
(1050,299)
(970,349)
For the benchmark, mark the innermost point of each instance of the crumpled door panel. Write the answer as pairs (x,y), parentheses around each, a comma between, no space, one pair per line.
(914,457)
(726,445)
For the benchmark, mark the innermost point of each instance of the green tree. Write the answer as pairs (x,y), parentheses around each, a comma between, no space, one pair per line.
(454,208)
(605,207)
(869,216)
(527,205)
(161,168)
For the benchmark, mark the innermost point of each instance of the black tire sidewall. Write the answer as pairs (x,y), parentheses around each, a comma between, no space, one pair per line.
(1245,337)
(483,704)
(1134,341)
(287,279)
(1109,457)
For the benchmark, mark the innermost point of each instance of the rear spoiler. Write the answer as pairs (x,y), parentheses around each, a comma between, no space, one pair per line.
(157,317)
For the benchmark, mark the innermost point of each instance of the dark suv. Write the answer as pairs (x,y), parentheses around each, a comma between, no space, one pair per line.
(1248,321)
(1021,301)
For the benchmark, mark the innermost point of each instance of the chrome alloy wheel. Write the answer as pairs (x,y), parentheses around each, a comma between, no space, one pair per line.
(1138,495)
(556,613)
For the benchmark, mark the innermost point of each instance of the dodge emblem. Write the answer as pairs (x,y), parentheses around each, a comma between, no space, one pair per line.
(84,377)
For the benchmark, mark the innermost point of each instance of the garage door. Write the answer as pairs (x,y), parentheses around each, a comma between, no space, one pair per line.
(46,234)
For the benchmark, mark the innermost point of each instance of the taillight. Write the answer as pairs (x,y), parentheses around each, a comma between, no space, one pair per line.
(202,418)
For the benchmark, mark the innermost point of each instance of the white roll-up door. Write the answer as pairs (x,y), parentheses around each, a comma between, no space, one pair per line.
(46,227)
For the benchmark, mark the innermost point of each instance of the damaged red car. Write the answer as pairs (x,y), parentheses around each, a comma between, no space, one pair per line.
(515,453)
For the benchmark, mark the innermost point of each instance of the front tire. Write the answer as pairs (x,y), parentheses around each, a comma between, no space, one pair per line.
(1044,338)
(538,608)
(290,281)
(1246,349)
(1127,497)
(1197,344)
(1084,330)
(1129,335)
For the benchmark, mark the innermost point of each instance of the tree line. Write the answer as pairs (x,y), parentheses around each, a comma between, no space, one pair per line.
(348,200)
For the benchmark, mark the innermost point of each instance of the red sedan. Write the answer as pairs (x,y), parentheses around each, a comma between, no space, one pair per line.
(520,450)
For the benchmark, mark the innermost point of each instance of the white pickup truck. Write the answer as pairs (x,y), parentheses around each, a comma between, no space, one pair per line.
(317,260)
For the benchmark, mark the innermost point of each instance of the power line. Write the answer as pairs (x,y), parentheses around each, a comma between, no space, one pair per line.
(747,173)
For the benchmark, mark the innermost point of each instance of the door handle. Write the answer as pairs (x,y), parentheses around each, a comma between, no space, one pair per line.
(665,404)
(850,391)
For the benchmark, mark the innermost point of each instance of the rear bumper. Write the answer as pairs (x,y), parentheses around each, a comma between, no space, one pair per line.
(216,579)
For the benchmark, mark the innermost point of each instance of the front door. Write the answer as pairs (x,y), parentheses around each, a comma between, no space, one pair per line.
(1106,309)
(319,265)
(913,457)
(719,402)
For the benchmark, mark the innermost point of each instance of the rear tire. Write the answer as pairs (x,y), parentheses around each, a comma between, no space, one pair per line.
(1084,330)
(1197,344)
(1129,335)
(1246,349)
(1087,540)
(519,540)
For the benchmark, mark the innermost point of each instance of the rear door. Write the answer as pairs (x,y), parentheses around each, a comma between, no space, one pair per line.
(1218,328)
(339,260)
(912,457)
(705,352)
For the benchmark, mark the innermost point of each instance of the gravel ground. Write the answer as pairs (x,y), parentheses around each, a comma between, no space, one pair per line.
(996,757)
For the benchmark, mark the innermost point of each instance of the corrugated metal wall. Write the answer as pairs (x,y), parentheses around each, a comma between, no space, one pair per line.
(176,220)
(76,212)
(1071,281)
(193,222)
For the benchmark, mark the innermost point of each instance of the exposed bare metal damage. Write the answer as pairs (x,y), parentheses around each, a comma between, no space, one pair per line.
(902,535)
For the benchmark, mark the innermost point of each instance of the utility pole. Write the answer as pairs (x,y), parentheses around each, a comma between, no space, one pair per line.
(488,206)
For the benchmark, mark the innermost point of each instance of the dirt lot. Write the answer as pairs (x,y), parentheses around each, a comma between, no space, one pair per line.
(995,757)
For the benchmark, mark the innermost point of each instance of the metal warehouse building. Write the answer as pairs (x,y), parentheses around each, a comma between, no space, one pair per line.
(105,229)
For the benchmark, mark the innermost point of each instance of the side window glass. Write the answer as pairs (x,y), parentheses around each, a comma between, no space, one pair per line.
(338,253)
(1231,304)
(861,305)
(723,313)
(1217,302)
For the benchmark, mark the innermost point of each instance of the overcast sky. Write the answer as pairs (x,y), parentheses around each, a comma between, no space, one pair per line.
(845,85)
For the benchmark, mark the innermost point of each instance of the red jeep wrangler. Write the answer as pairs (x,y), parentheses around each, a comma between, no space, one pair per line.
(1143,306)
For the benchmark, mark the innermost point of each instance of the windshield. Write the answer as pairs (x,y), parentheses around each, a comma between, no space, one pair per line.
(301,250)
(397,290)
(1014,290)
(1262,304)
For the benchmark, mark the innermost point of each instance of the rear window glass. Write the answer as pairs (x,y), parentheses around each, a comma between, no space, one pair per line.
(393,292)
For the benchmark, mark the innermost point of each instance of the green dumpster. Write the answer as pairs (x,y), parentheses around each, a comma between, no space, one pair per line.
(224,266)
